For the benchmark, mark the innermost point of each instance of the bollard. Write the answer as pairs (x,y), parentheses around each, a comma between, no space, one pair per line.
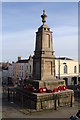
(71,101)
(8,95)
(58,101)
(55,106)
(41,104)
(12,97)
(22,101)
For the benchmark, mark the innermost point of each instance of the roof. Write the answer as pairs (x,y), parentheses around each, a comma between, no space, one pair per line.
(10,64)
(64,58)
(23,61)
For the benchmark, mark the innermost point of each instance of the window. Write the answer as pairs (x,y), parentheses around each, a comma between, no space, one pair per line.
(48,29)
(65,69)
(22,74)
(74,69)
(27,67)
(22,67)
(30,68)
(44,28)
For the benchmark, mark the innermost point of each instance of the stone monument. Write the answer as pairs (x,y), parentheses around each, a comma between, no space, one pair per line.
(44,59)
(44,75)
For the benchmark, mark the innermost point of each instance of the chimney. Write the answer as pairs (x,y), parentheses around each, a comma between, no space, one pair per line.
(12,62)
(19,58)
(30,57)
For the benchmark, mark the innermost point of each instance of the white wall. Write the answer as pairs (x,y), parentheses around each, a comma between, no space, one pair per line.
(70,69)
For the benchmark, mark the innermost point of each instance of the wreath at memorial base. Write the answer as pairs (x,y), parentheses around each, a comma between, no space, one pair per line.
(31,88)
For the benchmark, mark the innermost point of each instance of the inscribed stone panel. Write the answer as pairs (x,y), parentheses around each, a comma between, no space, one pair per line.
(37,68)
(48,68)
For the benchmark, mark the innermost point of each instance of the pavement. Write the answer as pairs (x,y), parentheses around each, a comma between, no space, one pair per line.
(12,110)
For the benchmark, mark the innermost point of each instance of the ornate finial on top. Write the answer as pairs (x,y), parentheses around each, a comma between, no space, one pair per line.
(44,16)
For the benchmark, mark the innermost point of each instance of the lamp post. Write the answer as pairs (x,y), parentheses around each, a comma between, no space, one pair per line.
(60,66)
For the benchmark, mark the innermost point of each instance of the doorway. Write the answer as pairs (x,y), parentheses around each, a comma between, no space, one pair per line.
(66,81)
(74,80)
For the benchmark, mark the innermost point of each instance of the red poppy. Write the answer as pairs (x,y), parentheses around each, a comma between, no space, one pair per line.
(41,90)
(44,90)
(55,90)
(60,88)
(64,87)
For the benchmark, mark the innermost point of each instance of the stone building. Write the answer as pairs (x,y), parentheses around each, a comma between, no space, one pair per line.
(5,76)
(10,70)
(65,68)
(5,66)
(22,69)
(68,70)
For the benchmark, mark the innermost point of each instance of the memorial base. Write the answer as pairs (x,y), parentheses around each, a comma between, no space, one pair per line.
(38,101)
(50,84)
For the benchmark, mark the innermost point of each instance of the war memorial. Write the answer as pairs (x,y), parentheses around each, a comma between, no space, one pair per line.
(44,91)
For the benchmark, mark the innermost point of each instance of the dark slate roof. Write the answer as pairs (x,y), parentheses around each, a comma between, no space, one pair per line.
(64,58)
(23,61)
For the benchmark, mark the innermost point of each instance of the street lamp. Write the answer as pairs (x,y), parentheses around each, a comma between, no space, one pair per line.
(60,66)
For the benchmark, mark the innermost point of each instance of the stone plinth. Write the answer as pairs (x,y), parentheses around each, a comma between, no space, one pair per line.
(50,84)
(47,101)
(40,101)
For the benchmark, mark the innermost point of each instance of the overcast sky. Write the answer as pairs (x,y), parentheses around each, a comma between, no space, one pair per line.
(20,21)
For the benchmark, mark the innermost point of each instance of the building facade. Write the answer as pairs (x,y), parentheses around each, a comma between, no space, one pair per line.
(10,70)
(65,68)
(22,69)
(5,77)
(68,70)
(5,74)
